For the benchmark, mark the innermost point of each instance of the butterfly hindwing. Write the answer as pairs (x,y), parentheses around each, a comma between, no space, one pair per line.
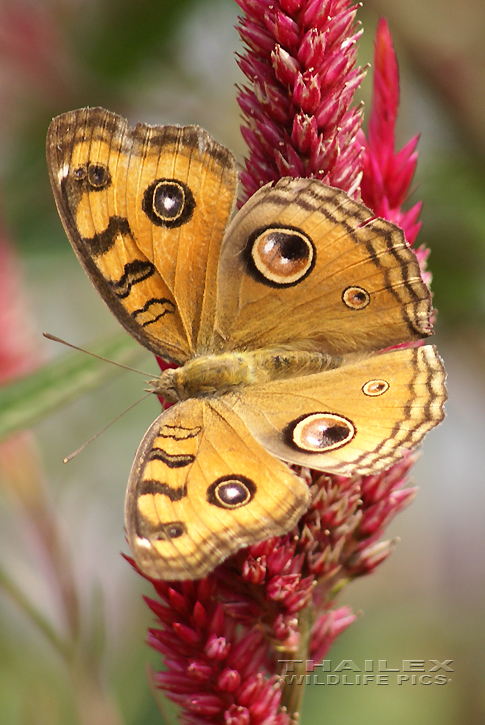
(302,261)
(356,419)
(201,488)
(145,210)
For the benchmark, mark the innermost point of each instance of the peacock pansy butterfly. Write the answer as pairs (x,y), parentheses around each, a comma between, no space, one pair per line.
(275,319)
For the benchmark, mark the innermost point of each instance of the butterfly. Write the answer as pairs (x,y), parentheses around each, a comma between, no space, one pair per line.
(275,319)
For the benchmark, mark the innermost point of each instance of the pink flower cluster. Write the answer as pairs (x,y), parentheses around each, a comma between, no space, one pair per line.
(215,667)
(300,62)
(224,638)
(387,175)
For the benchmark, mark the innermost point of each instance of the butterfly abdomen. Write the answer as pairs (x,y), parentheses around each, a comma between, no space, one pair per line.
(228,372)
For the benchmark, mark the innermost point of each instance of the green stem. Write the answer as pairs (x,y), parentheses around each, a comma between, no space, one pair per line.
(294,683)
(59,644)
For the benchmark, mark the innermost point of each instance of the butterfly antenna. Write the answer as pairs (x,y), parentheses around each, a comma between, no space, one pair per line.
(93,354)
(74,454)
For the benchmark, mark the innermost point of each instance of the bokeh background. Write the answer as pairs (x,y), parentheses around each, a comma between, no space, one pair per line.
(172,61)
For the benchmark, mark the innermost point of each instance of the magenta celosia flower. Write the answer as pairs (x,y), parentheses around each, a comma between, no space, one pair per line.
(225,639)
(300,62)
(387,174)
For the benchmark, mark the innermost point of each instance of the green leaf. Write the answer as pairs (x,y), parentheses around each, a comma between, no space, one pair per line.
(27,401)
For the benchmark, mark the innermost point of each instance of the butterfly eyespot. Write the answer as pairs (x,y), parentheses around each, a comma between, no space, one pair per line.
(231,492)
(98,176)
(168,203)
(166,532)
(148,524)
(356,298)
(375,387)
(79,173)
(174,530)
(321,432)
(280,256)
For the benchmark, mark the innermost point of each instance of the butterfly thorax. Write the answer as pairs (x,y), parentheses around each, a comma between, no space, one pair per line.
(218,374)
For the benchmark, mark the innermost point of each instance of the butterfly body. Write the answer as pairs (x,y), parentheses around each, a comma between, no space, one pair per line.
(228,372)
(274,318)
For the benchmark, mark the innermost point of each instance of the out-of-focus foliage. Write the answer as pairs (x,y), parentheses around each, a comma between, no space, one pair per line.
(63,55)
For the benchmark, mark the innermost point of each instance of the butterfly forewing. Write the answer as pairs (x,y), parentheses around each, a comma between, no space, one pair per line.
(145,210)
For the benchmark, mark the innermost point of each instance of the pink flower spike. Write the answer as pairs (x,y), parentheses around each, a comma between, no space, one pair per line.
(387,175)
(309,68)
(223,637)
(383,118)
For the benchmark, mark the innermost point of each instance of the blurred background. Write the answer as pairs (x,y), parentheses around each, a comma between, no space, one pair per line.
(61,527)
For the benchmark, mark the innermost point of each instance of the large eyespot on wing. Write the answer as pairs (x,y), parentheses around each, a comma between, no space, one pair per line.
(135,204)
(319,432)
(201,488)
(357,419)
(279,256)
(168,203)
(231,491)
(302,261)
